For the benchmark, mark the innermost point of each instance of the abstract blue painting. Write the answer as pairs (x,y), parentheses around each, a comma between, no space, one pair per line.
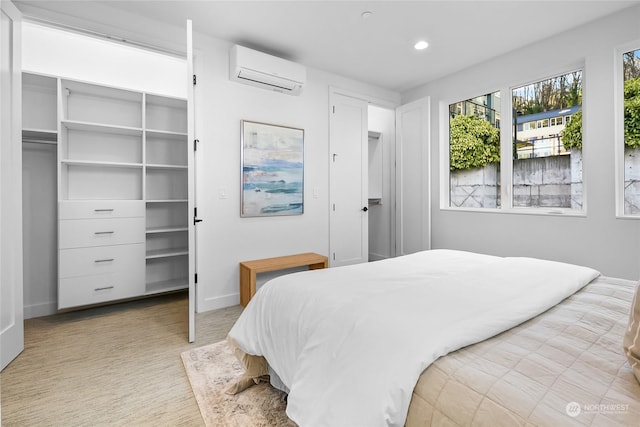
(272,170)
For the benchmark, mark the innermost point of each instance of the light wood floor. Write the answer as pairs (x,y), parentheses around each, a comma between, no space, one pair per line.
(116,365)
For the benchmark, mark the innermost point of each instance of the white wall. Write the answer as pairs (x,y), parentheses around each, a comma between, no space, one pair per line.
(598,240)
(47,50)
(224,238)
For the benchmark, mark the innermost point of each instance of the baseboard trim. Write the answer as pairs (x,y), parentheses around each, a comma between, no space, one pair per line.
(215,303)
(376,257)
(40,310)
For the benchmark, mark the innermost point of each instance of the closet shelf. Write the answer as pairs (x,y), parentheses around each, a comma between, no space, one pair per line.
(166,253)
(90,90)
(161,166)
(167,134)
(99,127)
(104,164)
(166,200)
(153,230)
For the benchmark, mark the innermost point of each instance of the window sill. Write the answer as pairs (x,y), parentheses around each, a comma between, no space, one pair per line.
(525,211)
(628,217)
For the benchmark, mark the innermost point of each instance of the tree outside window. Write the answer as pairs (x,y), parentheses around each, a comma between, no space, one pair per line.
(547,158)
(545,151)
(474,152)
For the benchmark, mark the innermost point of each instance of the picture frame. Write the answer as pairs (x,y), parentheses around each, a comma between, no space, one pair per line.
(272,164)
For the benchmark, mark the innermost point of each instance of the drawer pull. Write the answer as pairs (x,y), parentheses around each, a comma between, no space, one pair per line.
(104,232)
(106,288)
(104,260)
(103,210)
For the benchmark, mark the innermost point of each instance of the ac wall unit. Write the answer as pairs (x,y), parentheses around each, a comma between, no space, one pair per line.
(266,71)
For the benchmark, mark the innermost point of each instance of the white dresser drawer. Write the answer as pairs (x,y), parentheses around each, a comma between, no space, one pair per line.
(100,260)
(85,290)
(77,209)
(78,233)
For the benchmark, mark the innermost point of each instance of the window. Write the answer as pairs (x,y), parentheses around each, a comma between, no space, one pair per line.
(547,158)
(631,90)
(542,123)
(474,152)
(541,166)
(557,121)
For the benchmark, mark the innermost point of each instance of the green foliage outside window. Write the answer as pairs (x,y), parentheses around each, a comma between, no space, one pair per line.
(632,113)
(473,143)
(572,135)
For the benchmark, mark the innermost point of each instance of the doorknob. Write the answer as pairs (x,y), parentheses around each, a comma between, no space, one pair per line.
(365,209)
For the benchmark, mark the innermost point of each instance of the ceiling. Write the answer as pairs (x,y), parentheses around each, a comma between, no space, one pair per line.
(334,36)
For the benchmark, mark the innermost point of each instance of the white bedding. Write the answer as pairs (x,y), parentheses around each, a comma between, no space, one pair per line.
(350,342)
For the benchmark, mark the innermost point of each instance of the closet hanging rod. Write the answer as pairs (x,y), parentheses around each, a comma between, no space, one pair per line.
(39,141)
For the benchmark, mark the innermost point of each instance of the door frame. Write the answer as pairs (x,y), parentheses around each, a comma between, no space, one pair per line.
(342,210)
(369,100)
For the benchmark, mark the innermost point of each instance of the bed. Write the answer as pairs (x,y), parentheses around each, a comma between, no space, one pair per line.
(444,338)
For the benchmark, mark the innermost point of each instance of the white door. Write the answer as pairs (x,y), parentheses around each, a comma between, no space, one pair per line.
(348,145)
(11,307)
(413,214)
(191,183)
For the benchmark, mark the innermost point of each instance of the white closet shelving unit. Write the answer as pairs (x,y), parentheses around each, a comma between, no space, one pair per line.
(122,188)
(166,194)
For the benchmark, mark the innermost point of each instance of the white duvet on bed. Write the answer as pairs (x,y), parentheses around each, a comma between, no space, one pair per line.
(350,342)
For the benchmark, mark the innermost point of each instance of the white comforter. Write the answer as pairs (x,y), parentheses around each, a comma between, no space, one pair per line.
(350,342)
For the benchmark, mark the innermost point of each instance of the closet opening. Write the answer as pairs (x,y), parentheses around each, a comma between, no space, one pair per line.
(381,182)
(106,172)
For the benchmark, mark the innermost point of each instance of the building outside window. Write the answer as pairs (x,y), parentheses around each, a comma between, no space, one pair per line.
(547,157)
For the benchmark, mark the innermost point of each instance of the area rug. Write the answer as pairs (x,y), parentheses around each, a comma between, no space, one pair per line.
(210,370)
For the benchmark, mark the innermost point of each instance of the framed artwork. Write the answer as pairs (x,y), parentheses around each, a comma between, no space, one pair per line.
(272,170)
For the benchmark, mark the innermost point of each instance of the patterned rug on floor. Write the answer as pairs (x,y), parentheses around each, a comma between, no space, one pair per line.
(210,370)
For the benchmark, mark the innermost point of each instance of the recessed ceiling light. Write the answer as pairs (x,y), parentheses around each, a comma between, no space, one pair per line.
(421,45)
(366,14)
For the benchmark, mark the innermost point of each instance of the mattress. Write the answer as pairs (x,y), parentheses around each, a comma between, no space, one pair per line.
(564,367)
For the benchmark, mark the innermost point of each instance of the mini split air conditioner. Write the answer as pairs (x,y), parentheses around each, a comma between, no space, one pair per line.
(266,71)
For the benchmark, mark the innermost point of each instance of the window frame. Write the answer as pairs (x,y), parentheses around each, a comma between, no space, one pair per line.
(506,134)
(618,112)
(445,173)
